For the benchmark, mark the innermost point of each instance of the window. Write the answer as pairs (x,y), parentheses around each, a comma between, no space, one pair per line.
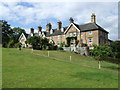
(89,40)
(58,43)
(90,32)
(81,41)
(71,34)
(74,34)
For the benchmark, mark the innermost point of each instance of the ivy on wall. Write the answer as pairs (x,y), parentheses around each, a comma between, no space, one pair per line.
(69,39)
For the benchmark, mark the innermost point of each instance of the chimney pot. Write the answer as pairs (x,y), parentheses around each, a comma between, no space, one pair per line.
(39,29)
(48,27)
(59,25)
(93,18)
(71,20)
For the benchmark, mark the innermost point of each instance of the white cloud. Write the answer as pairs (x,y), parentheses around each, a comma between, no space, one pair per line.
(41,13)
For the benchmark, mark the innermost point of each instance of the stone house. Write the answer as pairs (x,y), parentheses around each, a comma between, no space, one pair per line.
(85,34)
(80,34)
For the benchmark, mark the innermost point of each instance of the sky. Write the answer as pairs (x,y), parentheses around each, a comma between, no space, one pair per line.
(33,14)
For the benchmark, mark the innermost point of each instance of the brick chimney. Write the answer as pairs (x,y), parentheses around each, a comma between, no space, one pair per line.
(31,31)
(93,18)
(39,29)
(71,20)
(59,25)
(48,27)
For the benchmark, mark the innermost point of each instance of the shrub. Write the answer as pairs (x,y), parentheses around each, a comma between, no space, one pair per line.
(10,44)
(59,48)
(17,44)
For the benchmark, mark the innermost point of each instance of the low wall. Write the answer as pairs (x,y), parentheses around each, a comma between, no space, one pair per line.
(80,50)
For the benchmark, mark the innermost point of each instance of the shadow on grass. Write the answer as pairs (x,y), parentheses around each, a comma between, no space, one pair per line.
(111,67)
(93,76)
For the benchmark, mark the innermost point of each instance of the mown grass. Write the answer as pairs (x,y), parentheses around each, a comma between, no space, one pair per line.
(34,69)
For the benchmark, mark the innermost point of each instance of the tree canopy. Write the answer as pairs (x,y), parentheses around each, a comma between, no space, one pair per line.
(7,32)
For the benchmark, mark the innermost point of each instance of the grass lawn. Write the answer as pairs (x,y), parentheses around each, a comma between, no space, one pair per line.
(34,69)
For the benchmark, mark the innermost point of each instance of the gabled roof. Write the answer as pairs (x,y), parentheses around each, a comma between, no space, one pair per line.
(86,27)
(90,26)
(22,35)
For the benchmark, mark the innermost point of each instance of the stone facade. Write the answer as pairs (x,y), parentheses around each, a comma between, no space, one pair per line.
(93,34)
(85,34)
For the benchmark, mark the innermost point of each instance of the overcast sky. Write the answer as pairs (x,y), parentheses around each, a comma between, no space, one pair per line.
(31,14)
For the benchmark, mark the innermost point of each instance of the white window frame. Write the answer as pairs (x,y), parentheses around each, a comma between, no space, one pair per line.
(71,34)
(90,32)
(74,34)
(90,41)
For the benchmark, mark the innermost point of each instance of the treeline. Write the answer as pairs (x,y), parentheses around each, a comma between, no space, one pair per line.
(10,38)
(10,35)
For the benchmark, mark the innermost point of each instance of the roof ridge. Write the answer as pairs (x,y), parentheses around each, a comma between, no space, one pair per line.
(85,23)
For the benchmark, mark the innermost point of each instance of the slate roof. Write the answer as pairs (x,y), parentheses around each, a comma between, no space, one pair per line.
(89,26)
(55,32)
(82,27)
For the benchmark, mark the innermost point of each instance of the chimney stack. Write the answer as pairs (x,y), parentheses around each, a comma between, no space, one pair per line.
(93,18)
(71,20)
(31,31)
(59,25)
(48,27)
(39,29)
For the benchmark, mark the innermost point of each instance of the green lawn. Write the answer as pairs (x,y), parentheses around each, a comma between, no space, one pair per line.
(34,69)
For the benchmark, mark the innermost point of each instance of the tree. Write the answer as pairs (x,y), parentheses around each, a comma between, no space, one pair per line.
(115,45)
(38,42)
(35,42)
(7,32)
(101,51)
(44,43)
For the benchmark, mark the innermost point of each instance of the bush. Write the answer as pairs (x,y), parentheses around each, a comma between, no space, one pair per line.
(10,44)
(101,51)
(17,44)
(59,48)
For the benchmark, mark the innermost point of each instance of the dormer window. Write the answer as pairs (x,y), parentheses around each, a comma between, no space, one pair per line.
(90,32)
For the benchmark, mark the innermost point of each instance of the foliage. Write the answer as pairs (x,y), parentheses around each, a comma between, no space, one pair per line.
(69,39)
(7,33)
(38,42)
(10,36)
(17,44)
(10,44)
(34,41)
(59,48)
(115,45)
(101,51)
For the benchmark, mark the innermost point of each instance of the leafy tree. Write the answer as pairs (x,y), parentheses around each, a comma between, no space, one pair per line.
(7,32)
(101,51)
(115,45)
(38,42)
(34,41)
(10,44)
(44,43)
